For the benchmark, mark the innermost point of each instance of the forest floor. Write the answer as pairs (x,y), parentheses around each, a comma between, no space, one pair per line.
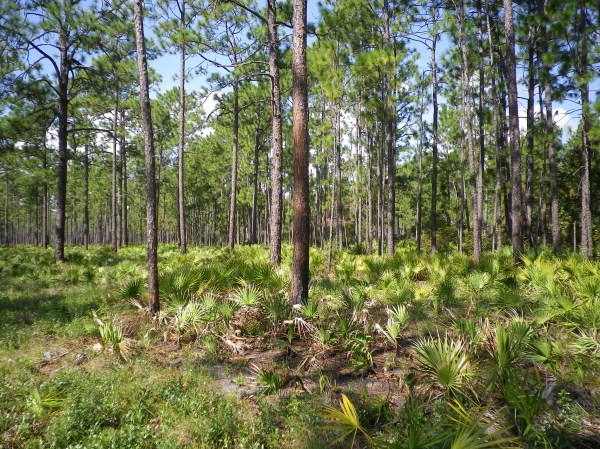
(432,351)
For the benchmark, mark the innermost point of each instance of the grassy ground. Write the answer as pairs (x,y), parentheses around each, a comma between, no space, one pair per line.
(432,351)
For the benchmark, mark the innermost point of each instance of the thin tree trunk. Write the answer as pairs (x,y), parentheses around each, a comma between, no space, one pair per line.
(276,142)
(478,230)
(124,199)
(547,78)
(419,218)
(113,207)
(181,144)
(390,137)
(497,219)
(434,139)
(530,140)
(337,173)
(515,148)
(6,188)
(86,198)
(380,198)
(254,212)
(63,154)
(234,168)
(151,216)
(583,63)
(45,200)
(370,194)
(301,237)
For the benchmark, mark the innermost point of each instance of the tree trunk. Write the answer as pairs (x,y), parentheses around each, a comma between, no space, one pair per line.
(583,68)
(181,144)
(496,108)
(515,148)
(337,173)
(234,168)
(63,155)
(124,202)
(548,92)
(301,237)
(419,221)
(86,198)
(254,212)
(390,138)
(478,230)
(276,143)
(380,197)
(369,217)
(113,197)
(434,140)
(45,200)
(530,140)
(6,188)
(151,216)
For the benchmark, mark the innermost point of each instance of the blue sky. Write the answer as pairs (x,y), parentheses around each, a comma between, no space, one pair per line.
(168,65)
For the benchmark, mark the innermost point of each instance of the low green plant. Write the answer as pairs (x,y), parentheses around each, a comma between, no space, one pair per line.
(132,290)
(346,420)
(445,363)
(40,403)
(360,351)
(113,338)
(248,296)
(268,381)
(470,430)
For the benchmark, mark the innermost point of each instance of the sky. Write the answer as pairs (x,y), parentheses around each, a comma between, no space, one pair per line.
(566,114)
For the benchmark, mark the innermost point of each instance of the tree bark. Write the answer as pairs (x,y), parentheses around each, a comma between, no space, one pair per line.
(369,226)
(337,173)
(254,212)
(301,237)
(515,148)
(151,216)
(6,235)
(548,92)
(45,200)
(63,154)
(530,140)
(390,137)
(124,198)
(434,139)
(86,198)
(181,144)
(276,136)
(496,108)
(234,168)
(113,208)
(478,218)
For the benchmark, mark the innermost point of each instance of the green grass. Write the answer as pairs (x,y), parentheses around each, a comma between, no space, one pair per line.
(244,371)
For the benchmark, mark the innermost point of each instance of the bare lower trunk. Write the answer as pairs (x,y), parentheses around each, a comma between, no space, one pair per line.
(369,226)
(234,169)
(478,229)
(254,212)
(86,198)
(380,198)
(113,208)
(434,143)
(151,215)
(301,237)
(515,149)
(390,137)
(530,142)
(337,173)
(554,219)
(276,155)
(181,144)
